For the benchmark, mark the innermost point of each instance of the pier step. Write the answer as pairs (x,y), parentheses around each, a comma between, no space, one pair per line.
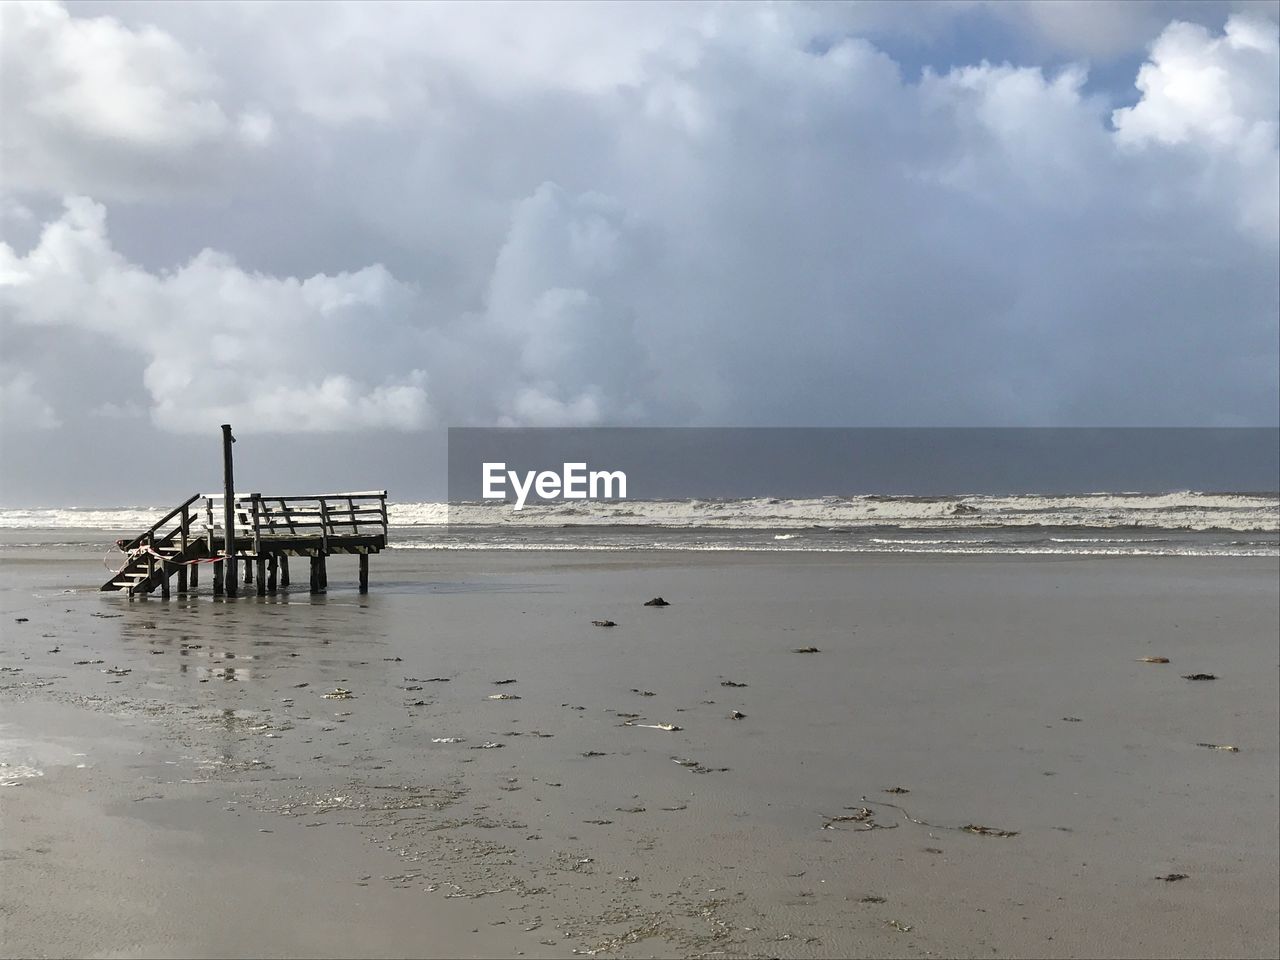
(141,576)
(158,553)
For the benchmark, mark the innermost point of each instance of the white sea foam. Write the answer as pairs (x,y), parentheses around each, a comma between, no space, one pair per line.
(1174,511)
(1171,511)
(135,519)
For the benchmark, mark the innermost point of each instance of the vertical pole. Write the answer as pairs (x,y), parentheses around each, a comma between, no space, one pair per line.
(272,577)
(195,577)
(164,579)
(151,571)
(182,557)
(324,573)
(262,575)
(284,569)
(228,510)
(248,570)
(364,573)
(217,578)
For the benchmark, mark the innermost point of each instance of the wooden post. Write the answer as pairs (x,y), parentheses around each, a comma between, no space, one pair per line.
(182,557)
(324,573)
(272,577)
(151,570)
(364,573)
(195,577)
(164,579)
(284,569)
(262,575)
(257,529)
(248,570)
(229,510)
(217,578)
(315,574)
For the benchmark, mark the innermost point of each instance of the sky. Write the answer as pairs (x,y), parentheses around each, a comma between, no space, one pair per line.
(344,228)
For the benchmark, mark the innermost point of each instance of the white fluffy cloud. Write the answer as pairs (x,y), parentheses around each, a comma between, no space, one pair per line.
(352,350)
(692,214)
(92,105)
(1219,97)
(222,343)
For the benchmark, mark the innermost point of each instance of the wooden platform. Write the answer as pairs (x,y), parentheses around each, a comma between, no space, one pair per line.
(267,531)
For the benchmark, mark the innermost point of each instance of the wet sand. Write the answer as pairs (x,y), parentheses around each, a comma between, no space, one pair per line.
(211,801)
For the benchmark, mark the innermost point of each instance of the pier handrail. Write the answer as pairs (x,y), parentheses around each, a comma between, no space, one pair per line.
(324,515)
(149,534)
(381,494)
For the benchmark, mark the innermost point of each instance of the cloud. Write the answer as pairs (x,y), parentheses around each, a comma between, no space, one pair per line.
(1106,29)
(555,299)
(91,105)
(23,408)
(350,351)
(1217,97)
(276,353)
(688,215)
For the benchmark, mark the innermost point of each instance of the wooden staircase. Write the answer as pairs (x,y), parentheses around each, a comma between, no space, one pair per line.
(166,548)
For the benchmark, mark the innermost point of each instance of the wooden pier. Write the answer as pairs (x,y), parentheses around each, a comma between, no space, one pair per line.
(267,531)
(219,530)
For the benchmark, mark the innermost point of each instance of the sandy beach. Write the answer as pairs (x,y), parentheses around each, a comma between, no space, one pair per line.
(334,776)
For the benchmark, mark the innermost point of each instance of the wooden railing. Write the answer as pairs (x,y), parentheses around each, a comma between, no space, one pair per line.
(173,530)
(362,513)
(153,535)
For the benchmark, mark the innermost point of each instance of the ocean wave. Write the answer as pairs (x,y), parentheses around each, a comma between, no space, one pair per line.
(1188,511)
(1180,511)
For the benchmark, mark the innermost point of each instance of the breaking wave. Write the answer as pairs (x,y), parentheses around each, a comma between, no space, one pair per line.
(1173,511)
(1245,512)
(1098,524)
